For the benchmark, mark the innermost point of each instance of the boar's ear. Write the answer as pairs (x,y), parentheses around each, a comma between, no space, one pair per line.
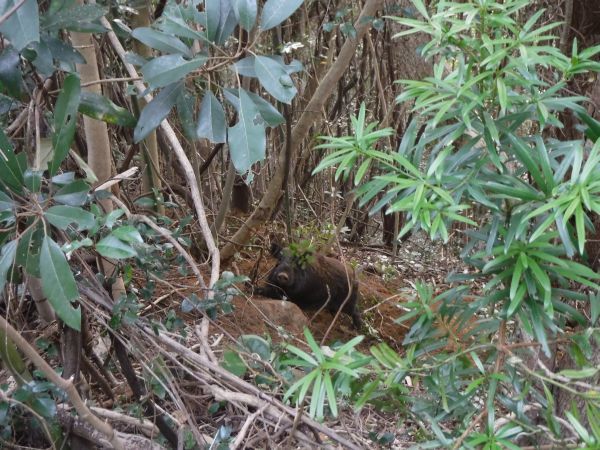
(276,250)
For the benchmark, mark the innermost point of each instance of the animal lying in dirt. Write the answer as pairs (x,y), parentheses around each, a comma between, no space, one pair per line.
(312,280)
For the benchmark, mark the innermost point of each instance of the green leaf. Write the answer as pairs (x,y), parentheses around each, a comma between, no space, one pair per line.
(245,12)
(101,108)
(516,278)
(227,21)
(247,139)
(276,11)
(502,96)
(6,203)
(58,283)
(421,8)
(164,70)
(73,194)
(186,103)
(28,249)
(302,354)
(268,112)
(593,126)
(233,363)
(595,307)
(160,41)
(579,374)
(156,111)
(516,301)
(10,73)
(113,247)
(7,258)
(63,52)
(256,344)
(580,227)
(32,179)
(330,395)
(23,26)
(12,167)
(63,216)
(81,18)
(65,121)
(583,433)
(128,233)
(275,79)
(213,10)
(211,119)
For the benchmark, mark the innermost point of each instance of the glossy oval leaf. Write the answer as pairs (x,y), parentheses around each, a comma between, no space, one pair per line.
(160,41)
(276,11)
(113,247)
(10,73)
(245,12)
(58,283)
(128,233)
(168,69)
(155,111)
(247,139)
(65,121)
(73,194)
(101,108)
(61,216)
(211,120)
(275,79)
(23,26)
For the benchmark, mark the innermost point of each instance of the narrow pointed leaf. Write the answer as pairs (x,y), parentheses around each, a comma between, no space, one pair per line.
(211,119)
(160,41)
(7,257)
(245,13)
(65,121)
(155,111)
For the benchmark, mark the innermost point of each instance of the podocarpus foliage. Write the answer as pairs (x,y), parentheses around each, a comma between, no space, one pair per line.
(496,93)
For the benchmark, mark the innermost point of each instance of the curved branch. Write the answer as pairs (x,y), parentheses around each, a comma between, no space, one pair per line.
(61,383)
(310,116)
(188,170)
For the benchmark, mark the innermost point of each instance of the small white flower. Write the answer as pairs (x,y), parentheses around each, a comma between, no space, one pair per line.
(291,46)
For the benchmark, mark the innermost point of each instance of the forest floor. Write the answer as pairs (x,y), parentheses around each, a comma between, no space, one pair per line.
(386,284)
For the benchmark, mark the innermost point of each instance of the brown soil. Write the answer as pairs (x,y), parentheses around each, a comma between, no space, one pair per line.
(379,304)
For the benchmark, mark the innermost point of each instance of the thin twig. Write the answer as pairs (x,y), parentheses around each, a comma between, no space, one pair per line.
(11,11)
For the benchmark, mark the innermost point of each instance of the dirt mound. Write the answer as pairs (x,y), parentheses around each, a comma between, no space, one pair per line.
(277,318)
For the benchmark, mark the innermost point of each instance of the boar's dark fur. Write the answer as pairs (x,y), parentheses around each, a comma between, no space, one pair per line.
(321,280)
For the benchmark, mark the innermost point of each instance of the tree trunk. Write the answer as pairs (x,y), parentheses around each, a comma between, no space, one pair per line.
(150,181)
